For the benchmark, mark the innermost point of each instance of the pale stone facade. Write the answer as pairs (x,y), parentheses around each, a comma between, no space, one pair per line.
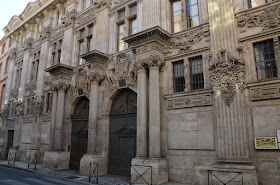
(70,67)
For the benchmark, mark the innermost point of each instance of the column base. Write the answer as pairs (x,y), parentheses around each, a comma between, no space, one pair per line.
(93,158)
(250,176)
(56,160)
(159,170)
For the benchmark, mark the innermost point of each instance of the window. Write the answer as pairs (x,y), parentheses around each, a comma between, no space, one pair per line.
(178,76)
(255,3)
(133,9)
(57,18)
(120,37)
(89,38)
(84,4)
(3,48)
(265,59)
(48,102)
(7,65)
(177,16)
(2,96)
(90,29)
(179,12)
(121,15)
(82,33)
(0,70)
(35,67)
(196,73)
(56,53)
(133,19)
(29,109)
(192,13)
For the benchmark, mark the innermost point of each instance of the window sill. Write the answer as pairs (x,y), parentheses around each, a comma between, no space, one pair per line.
(188,93)
(268,81)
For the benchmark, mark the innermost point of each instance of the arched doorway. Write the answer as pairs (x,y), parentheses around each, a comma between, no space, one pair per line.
(122,139)
(79,135)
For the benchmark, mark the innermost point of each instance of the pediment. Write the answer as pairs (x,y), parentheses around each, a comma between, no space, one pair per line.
(30,6)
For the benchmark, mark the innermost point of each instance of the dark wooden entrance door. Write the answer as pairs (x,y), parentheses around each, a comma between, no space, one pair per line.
(10,141)
(122,141)
(79,136)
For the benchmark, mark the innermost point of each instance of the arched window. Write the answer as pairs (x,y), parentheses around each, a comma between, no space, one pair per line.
(3,96)
(7,65)
(3,48)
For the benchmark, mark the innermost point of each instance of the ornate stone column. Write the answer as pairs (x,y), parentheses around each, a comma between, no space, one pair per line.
(53,117)
(142,112)
(61,88)
(95,78)
(155,62)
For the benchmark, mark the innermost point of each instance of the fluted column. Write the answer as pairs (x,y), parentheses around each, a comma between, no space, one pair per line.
(53,118)
(154,107)
(142,110)
(59,116)
(95,79)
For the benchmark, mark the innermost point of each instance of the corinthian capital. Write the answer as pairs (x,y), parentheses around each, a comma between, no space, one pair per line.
(141,64)
(61,86)
(155,61)
(96,77)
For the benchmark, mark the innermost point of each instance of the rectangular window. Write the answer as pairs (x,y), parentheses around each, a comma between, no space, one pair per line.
(7,66)
(196,73)
(256,3)
(265,59)
(84,4)
(90,29)
(133,9)
(178,76)
(89,44)
(120,37)
(121,15)
(177,20)
(82,33)
(193,14)
(48,102)
(133,26)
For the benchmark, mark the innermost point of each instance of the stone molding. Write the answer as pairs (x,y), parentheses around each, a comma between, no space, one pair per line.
(189,101)
(265,92)
(95,56)
(86,16)
(183,43)
(227,73)
(267,17)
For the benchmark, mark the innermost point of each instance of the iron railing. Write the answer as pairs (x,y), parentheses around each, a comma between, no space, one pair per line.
(12,159)
(93,172)
(237,174)
(141,175)
(32,161)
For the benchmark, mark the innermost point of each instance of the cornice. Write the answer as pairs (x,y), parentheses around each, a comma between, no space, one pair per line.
(95,56)
(60,68)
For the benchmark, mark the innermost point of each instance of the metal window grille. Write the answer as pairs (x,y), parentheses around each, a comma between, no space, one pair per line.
(196,73)
(265,59)
(178,76)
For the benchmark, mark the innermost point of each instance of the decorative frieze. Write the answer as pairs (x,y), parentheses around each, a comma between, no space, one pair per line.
(28,119)
(188,101)
(46,117)
(86,16)
(266,18)
(265,92)
(183,42)
(227,73)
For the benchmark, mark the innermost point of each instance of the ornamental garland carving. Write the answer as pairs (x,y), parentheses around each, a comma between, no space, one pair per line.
(183,42)
(80,81)
(268,18)
(226,75)
(86,16)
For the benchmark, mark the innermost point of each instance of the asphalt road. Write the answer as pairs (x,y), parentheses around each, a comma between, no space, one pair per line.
(10,176)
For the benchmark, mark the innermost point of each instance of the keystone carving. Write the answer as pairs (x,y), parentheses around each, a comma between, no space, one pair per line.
(226,75)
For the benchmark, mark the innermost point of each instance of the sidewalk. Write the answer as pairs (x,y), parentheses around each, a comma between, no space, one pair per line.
(72,175)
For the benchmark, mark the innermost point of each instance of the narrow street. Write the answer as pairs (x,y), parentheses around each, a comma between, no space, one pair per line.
(18,177)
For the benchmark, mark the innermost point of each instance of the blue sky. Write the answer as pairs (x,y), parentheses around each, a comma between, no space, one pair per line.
(9,8)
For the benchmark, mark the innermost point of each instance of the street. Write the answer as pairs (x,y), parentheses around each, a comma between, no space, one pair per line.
(18,177)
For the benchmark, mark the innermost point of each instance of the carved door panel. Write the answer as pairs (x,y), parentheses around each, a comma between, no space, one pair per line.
(79,141)
(10,141)
(122,141)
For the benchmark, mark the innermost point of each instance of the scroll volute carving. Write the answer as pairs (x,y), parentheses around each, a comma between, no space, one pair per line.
(227,74)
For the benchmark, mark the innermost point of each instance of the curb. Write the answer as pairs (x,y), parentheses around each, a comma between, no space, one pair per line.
(35,172)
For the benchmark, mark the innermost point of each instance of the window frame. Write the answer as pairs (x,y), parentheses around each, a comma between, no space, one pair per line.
(191,74)
(178,87)
(250,3)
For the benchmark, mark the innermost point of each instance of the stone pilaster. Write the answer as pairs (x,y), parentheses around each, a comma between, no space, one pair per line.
(53,116)
(142,112)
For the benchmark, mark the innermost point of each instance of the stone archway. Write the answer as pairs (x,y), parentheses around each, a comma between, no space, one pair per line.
(122,133)
(79,134)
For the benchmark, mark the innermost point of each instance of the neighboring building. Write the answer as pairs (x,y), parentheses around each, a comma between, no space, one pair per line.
(5,44)
(184,86)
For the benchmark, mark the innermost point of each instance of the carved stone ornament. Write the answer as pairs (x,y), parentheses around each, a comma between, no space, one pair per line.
(27,45)
(80,81)
(86,16)
(123,67)
(12,53)
(20,108)
(69,18)
(95,76)
(183,42)
(100,3)
(155,61)
(226,75)
(5,111)
(268,18)
(30,88)
(38,105)
(14,94)
(46,32)
(61,86)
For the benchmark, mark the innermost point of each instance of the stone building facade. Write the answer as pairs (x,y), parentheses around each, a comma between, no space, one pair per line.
(183,86)
(4,66)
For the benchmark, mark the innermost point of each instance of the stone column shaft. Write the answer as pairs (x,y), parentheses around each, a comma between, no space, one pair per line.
(142,123)
(93,114)
(59,120)
(53,118)
(154,113)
